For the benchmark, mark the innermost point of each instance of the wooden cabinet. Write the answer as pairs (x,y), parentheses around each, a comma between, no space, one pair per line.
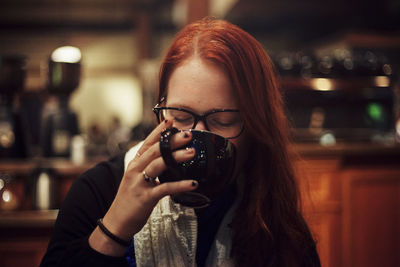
(318,180)
(371,217)
(24,236)
(351,200)
(24,232)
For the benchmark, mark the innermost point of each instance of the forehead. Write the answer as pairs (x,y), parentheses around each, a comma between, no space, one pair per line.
(200,85)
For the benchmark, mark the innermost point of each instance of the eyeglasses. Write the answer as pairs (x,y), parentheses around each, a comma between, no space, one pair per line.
(224,122)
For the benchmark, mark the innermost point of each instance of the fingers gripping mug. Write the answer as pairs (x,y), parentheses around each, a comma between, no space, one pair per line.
(212,166)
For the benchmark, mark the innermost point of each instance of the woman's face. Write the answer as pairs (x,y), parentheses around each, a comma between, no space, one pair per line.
(202,86)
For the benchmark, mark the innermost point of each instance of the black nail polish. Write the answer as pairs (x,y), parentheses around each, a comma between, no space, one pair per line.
(189,150)
(186,135)
(194,183)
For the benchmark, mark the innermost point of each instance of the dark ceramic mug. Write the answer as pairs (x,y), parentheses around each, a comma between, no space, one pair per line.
(212,166)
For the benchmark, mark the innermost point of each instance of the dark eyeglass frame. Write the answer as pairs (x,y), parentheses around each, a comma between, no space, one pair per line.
(197,117)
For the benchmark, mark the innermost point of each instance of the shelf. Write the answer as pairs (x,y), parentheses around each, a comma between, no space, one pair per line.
(347,149)
(28,218)
(63,166)
(329,84)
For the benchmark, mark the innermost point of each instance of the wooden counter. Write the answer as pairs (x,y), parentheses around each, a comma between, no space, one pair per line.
(24,232)
(350,198)
(28,219)
(24,236)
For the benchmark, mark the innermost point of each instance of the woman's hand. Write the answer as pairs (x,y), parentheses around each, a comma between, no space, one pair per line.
(137,197)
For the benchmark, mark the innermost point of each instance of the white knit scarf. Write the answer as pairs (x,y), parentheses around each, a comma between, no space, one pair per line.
(169,238)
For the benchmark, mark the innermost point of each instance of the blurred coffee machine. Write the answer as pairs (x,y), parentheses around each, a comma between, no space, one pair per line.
(12,78)
(60,124)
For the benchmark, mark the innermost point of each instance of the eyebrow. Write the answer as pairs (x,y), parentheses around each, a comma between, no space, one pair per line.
(195,111)
(179,106)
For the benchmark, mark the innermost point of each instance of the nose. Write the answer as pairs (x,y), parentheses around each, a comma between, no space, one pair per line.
(200,126)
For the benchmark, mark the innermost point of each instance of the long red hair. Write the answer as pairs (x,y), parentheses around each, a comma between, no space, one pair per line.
(268,229)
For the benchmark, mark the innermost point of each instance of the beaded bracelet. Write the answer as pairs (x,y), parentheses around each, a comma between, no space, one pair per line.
(111,235)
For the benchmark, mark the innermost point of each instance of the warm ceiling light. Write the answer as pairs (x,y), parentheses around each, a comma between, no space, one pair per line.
(382,81)
(321,84)
(66,54)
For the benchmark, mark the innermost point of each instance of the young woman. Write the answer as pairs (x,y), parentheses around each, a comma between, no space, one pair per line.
(211,66)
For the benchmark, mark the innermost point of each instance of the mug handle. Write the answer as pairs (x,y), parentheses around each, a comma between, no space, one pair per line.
(165,147)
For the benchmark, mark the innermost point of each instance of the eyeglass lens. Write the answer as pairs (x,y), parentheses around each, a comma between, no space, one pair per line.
(225,123)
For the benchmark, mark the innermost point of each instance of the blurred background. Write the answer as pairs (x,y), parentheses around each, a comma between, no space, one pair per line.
(78,81)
